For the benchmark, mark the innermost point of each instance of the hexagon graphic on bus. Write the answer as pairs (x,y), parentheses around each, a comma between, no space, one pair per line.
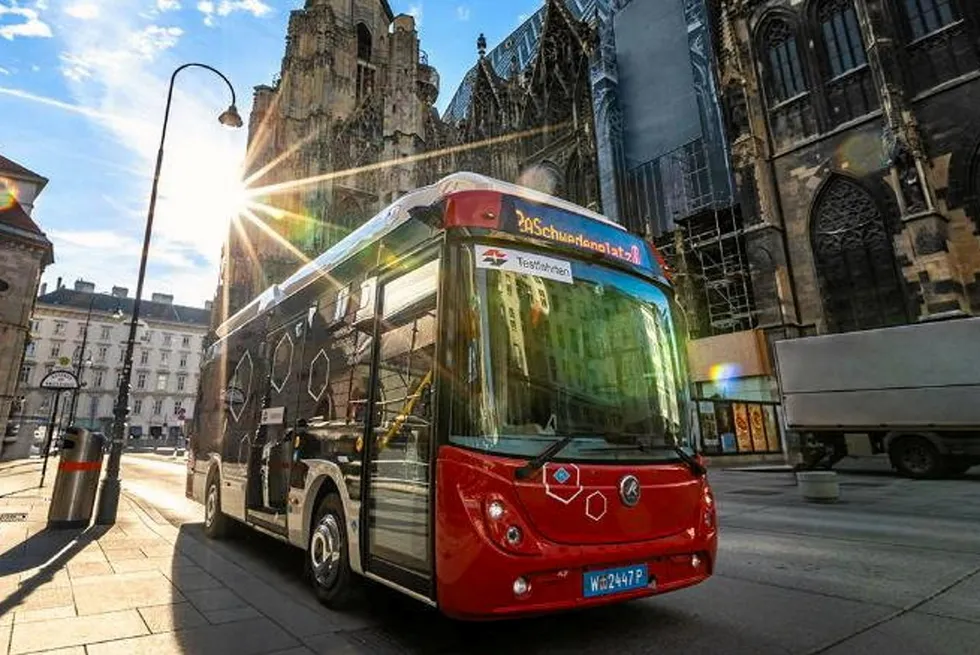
(239,387)
(319,375)
(596,505)
(562,482)
(282,362)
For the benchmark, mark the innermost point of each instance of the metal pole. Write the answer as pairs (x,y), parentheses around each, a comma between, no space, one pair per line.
(109,492)
(47,441)
(79,366)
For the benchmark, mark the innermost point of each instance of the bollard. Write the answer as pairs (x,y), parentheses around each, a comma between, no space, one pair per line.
(819,486)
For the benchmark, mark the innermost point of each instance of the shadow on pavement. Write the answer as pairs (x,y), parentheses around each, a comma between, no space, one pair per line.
(386,622)
(50,549)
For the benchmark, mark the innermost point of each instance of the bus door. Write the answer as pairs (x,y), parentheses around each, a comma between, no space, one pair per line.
(396,507)
(271,450)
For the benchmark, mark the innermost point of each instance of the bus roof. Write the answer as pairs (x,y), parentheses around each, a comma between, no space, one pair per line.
(387,220)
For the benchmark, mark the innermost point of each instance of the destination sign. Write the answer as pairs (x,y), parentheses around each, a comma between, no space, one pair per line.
(553,224)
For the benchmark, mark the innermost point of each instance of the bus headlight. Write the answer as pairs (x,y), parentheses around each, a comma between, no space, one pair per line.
(521,587)
(495,510)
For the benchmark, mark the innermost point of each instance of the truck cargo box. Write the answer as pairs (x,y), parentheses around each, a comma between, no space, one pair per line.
(912,376)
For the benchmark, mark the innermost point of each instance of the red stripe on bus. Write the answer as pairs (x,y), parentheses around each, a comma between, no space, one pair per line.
(79,466)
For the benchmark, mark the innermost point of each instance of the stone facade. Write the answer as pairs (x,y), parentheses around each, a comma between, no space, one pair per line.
(350,125)
(854,126)
(24,253)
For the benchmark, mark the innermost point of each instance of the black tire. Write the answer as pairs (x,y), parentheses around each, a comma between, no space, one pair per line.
(916,457)
(215,523)
(328,556)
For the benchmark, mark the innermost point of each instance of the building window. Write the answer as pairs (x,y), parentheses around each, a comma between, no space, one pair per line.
(55,349)
(183,360)
(35,326)
(928,16)
(48,368)
(177,406)
(147,337)
(141,380)
(103,351)
(852,248)
(363,42)
(167,339)
(81,330)
(181,381)
(164,358)
(99,378)
(25,373)
(185,342)
(783,67)
(106,333)
(144,356)
(138,406)
(122,354)
(157,407)
(161,382)
(841,36)
(93,406)
(30,349)
(59,327)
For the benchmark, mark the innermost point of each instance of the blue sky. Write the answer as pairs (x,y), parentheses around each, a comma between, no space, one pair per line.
(82,90)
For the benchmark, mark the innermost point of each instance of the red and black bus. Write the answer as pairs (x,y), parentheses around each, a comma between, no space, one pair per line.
(477,398)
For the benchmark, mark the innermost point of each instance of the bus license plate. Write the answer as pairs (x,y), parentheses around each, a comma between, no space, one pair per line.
(614,581)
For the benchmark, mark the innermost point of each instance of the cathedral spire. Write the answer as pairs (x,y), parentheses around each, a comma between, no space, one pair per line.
(481,45)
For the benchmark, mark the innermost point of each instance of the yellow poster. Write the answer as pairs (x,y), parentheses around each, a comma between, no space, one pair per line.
(742,428)
(758,429)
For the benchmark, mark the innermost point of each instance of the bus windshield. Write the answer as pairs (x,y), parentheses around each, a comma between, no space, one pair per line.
(556,348)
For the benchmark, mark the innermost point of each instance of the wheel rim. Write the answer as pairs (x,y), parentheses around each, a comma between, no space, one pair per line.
(211,505)
(917,458)
(325,551)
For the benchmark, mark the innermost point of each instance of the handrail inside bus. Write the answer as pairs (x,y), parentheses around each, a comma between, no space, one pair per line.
(386,221)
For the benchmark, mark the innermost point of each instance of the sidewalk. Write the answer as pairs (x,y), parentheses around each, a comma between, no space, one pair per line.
(139,586)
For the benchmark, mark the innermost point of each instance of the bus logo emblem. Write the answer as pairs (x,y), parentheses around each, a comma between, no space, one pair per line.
(562,475)
(495,257)
(629,490)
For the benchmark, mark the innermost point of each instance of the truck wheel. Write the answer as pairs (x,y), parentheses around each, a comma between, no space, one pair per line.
(328,555)
(215,523)
(916,457)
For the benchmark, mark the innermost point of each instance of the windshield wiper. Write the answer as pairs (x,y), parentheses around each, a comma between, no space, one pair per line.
(693,464)
(539,460)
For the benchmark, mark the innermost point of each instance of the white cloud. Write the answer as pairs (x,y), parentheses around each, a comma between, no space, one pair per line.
(4,71)
(118,66)
(82,10)
(154,39)
(168,5)
(28,22)
(415,10)
(35,68)
(211,9)
(463,13)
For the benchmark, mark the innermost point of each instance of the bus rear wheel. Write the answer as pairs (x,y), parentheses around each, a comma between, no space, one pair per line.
(215,522)
(327,555)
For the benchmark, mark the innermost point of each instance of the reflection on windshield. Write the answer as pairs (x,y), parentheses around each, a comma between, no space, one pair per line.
(594,358)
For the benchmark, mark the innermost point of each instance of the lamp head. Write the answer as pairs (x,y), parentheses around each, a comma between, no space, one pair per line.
(230,117)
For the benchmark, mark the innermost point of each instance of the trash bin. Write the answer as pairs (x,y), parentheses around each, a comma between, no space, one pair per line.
(77,480)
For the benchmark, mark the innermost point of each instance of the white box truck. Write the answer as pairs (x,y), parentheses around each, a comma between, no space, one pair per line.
(910,392)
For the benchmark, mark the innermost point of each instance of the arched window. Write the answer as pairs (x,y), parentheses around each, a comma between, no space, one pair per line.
(928,16)
(363,42)
(841,36)
(784,71)
(855,261)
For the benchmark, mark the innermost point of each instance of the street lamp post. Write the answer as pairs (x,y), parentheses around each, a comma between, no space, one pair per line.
(109,493)
(79,367)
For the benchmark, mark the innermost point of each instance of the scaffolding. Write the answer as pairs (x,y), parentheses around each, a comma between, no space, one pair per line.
(706,248)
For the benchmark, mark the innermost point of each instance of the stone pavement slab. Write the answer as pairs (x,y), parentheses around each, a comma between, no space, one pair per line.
(167,618)
(253,637)
(914,633)
(77,631)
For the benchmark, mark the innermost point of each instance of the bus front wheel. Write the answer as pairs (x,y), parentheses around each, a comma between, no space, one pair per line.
(215,523)
(327,555)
